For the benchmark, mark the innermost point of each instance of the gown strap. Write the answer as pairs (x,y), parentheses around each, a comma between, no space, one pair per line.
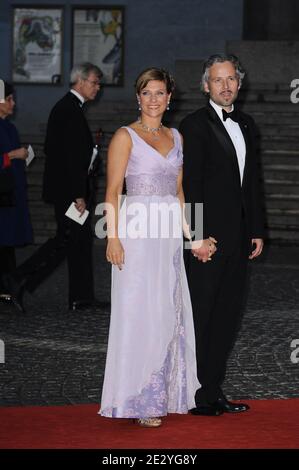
(177,138)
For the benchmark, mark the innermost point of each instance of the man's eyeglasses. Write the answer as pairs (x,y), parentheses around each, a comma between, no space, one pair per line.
(93,82)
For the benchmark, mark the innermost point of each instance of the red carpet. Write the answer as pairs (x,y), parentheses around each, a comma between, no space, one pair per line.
(272,424)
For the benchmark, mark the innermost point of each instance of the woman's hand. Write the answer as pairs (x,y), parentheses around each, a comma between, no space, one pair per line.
(115,253)
(21,153)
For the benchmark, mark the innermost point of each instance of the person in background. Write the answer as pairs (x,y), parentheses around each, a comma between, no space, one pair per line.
(15,225)
(69,148)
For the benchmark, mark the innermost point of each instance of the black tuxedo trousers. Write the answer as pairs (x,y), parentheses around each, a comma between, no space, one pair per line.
(217,294)
(72,241)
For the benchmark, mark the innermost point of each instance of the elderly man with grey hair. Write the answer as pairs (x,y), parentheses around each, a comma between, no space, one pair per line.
(220,171)
(69,149)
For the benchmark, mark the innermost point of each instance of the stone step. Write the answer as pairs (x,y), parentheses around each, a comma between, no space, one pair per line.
(49,224)
(279,143)
(290,130)
(261,119)
(281,234)
(43,236)
(274,186)
(280,157)
(271,107)
(288,218)
(282,201)
(34,196)
(44,224)
(34,179)
(36,140)
(257,97)
(281,173)
(284,119)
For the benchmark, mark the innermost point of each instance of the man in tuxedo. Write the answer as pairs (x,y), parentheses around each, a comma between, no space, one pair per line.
(220,171)
(69,149)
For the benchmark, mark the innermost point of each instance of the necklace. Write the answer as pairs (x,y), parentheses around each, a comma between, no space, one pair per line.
(153,130)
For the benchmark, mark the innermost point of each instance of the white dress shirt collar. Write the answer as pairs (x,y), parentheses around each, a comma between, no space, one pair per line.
(218,109)
(78,95)
(236,136)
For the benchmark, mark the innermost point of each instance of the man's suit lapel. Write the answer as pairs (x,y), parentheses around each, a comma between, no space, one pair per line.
(223,138)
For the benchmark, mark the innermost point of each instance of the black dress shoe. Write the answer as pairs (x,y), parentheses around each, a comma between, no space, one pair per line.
(229,407)
(17,300)
(79,305)
(5,298)
(16,290)
(206,410)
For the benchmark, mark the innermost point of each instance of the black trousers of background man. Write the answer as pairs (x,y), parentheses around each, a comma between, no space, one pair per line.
(72,241)
(217,293)
(7,265)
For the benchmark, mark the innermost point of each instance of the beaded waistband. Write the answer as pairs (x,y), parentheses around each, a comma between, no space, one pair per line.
(151,185)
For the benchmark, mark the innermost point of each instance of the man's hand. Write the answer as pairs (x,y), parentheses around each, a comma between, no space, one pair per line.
(80,205)
(203,250)
(259,243)
(20,153)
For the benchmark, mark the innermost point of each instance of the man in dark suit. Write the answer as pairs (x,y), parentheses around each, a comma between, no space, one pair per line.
(68,148)
(220,171)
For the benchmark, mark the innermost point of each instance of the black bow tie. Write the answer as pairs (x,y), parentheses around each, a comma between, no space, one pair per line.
(233,115)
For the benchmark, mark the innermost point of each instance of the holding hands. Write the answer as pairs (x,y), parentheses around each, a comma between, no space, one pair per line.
(203,250)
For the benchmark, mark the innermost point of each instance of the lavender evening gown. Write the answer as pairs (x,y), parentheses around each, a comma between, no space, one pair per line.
(151,365)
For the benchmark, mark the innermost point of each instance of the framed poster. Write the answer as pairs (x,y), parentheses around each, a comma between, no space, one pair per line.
(37,44)
(98,37)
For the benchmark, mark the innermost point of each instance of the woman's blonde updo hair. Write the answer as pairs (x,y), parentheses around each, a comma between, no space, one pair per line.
(154,73)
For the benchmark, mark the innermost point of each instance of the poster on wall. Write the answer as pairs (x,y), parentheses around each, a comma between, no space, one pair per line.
(37,45)
(98,38)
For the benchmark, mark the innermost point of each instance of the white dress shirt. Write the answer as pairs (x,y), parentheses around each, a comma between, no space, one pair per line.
(236,136)
(78,96)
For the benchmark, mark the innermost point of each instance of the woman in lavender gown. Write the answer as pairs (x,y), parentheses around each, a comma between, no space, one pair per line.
(151,366)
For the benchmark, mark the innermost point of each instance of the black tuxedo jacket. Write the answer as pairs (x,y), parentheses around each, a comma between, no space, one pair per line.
(68,149)
(211,176)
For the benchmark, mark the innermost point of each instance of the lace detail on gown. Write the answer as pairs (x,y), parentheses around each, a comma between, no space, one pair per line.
(166,391)
(151,185)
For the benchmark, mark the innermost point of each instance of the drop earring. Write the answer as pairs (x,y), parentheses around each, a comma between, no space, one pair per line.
(139,107)
(168,105)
